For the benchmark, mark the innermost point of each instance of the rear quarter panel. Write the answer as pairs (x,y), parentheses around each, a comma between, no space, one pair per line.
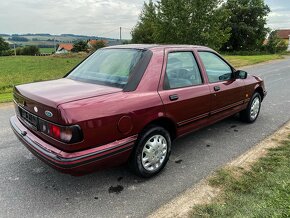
(99,118)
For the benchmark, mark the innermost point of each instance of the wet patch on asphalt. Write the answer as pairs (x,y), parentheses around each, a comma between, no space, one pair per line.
(178,161)
(116,189)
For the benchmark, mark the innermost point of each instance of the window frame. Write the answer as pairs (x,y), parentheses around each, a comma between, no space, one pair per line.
(198,67)
(221,58)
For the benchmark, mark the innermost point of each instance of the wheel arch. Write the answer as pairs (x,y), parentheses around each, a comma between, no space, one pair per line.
(259,90)
(166,123)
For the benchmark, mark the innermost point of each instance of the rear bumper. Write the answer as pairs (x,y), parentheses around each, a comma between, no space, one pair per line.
(77,162)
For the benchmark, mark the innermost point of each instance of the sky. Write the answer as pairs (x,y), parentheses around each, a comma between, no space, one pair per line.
(94,17)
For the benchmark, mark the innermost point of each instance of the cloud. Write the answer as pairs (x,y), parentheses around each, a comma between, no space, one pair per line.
(90,17)
(93,17)
(279,17)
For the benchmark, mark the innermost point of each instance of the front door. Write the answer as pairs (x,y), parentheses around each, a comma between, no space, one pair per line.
(227,93)
(183,91)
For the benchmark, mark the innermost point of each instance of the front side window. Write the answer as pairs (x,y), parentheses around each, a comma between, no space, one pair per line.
(181,71)
(111,67)
(216,69)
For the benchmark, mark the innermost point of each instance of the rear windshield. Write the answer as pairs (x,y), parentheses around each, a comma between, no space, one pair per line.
(111,67)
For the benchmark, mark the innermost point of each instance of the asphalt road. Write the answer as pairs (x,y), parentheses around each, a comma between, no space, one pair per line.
(29,188)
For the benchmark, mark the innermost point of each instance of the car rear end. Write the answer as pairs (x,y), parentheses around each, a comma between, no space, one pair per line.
(44,130)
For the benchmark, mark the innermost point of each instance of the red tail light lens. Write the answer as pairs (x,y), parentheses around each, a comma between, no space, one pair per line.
(55,131)
(66,134)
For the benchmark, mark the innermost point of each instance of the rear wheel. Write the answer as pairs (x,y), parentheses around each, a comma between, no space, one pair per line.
(251,113)
(151,152)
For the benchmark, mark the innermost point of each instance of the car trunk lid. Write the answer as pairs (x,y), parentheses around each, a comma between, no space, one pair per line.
(43,98)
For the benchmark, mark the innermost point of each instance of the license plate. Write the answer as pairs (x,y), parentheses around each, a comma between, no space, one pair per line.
(28,117)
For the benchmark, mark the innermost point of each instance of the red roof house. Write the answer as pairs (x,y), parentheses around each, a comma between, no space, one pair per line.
(64,48)
(283,34)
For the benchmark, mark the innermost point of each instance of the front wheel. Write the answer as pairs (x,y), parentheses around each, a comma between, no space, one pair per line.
(152,152)
(251,113)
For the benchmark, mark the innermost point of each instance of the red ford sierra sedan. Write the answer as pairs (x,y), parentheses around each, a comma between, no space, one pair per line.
(128,103)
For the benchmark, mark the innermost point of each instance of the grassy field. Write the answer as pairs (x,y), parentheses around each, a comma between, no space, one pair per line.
(46,50)
(26,69)
(263,191)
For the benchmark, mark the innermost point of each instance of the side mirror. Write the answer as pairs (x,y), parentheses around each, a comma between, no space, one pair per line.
(240,74)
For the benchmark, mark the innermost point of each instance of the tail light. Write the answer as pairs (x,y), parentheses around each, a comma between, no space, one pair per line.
(66,134)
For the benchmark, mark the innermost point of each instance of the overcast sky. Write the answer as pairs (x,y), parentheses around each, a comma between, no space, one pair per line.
(93,17)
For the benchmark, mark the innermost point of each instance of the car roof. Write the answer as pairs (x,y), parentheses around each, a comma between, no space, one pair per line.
(152,46)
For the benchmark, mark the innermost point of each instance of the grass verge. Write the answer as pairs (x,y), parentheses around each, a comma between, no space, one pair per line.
(239,61)
(262,191)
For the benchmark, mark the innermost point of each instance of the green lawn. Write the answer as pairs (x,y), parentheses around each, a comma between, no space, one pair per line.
(25,69)
(239,61)
(262,192)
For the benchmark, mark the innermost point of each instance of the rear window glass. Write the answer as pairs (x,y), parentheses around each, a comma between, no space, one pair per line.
(111,67)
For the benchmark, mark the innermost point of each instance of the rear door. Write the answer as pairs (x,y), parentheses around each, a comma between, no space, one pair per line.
(183,91)
(227,93)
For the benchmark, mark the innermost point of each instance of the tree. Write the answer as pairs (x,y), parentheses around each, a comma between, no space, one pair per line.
(275,44)
(143,32)
(18,39)
(80,46)
(183,22)
(192,22)
(98,44)
(247,21)
(3,45)
(28,50)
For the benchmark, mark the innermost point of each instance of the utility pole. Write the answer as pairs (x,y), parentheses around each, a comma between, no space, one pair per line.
(120,34)
(14,50)
(54,44)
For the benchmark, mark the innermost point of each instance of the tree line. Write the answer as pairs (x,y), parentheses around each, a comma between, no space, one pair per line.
(232,25)
(78,46)
(5,49)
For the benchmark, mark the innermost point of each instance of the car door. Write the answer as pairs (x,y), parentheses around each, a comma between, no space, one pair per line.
(183,91)
(227,92)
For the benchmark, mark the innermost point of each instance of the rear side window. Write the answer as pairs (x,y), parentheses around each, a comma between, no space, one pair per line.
(181,71)
(216,69)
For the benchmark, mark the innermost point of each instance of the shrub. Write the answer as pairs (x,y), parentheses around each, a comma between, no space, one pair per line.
(80,46)
(28,50)
(275,44)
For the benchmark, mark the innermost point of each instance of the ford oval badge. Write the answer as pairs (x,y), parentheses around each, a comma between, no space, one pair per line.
(48,113)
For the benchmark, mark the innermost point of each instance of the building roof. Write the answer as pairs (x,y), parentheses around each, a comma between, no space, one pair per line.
(283,34)
(66,46)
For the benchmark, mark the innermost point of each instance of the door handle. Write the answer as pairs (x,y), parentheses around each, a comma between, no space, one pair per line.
(173,97)
(217,88)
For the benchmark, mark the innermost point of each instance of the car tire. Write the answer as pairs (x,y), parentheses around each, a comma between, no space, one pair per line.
(251,113)
(151,152)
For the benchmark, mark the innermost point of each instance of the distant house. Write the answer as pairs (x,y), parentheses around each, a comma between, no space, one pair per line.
(64,48)
(285,34)
(93,42)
